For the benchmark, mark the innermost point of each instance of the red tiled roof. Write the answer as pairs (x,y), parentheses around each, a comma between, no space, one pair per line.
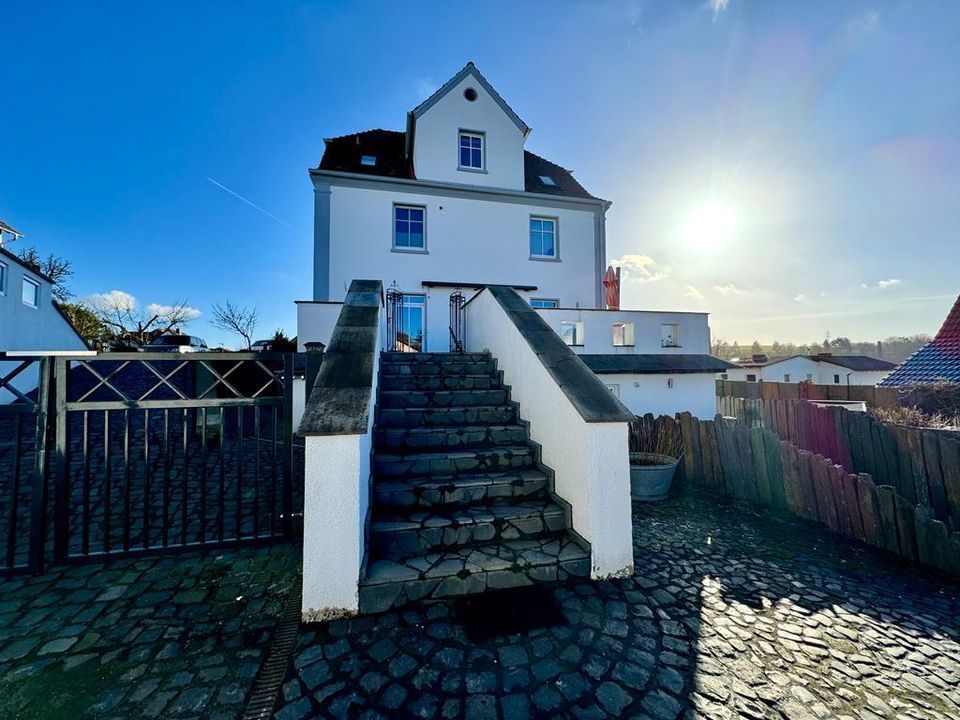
(937,360)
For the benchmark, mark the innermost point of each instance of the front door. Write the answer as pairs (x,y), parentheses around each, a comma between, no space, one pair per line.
(412,331)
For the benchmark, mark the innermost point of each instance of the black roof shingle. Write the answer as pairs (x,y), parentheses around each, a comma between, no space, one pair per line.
(655,364)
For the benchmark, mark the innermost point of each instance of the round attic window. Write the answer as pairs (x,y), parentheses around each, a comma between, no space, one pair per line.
(470,94)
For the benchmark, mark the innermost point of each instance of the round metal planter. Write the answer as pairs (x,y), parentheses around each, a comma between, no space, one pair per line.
(651,475)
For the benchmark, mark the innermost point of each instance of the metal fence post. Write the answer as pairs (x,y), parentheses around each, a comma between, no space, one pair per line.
(288,444)
(61,503)
(38,504)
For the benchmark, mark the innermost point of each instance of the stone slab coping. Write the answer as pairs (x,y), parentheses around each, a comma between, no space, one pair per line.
(586,392)
(339,403)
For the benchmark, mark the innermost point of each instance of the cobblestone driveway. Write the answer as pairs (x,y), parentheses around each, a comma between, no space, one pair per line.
(179,636)
(730,615)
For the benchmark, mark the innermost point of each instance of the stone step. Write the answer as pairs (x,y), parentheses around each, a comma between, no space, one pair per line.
(472,489)
(485,366)
(483,381)
(446,417)
(419,531)
(472,569)
(387,466)
(411,439)
(422,357)
(442,398)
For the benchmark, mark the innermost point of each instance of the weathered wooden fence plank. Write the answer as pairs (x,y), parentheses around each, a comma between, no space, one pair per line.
(775,470)
(930,442)
(950,463)
(869,512)
(837,478)
(760,466)
(906,532)
(849,483)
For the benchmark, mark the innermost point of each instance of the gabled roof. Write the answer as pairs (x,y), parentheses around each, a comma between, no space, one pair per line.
(387,148)
(938,360)
(642,364)
(6,228)
(471,69)
(4,253)
(857,363)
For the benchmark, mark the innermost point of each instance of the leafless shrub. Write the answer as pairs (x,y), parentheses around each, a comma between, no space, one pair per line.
(915,417)
(660,436)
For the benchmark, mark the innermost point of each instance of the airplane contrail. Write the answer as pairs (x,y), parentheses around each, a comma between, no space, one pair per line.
(255,207)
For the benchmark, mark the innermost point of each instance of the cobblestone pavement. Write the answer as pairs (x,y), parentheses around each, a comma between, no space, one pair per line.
(177,636)
(730,615)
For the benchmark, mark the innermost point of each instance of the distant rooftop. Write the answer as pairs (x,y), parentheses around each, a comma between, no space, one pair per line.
(937,360)
(861,363)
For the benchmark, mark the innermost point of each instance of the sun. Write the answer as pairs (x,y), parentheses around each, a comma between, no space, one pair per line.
(710,225)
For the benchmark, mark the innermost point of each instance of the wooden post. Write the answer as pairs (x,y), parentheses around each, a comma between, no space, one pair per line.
(887,518)
(906,527)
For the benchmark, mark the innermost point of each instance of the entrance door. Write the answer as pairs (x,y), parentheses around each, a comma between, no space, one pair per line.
(412,331)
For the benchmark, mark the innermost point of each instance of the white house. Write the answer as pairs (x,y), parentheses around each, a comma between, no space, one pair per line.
(455,203)
(29,319)
(821,369)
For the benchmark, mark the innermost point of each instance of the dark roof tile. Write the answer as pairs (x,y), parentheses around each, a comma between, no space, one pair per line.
(388,148)
(937,360)
(655,364)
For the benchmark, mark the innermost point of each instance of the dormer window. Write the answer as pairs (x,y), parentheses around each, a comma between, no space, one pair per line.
(471,151)
(547,180)
(369,160)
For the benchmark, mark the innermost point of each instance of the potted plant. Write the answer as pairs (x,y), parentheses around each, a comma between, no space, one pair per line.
(655,451)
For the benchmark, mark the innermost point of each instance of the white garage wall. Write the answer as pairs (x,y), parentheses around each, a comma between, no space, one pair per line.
(694,393)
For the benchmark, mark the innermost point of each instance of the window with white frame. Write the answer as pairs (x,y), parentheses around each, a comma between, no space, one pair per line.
(669,335)
(543,237)
(471,151)
(786,377)
(3,278)
(623,334)
(751,378)
(544,303)
(836,379)
(572,332)
(409,225)
(30,292)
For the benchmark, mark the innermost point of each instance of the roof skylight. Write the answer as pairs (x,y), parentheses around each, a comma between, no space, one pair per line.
(547,180)
(368,160)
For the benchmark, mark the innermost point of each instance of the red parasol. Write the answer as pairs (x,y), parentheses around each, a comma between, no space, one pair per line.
(611,284)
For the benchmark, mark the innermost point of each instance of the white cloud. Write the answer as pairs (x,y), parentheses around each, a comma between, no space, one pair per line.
(863,24)
(118,300)
(717,7)
(728,289)
(186,312)
(883,284)
(115,299)
(800,298)
(693,292)
(639,268)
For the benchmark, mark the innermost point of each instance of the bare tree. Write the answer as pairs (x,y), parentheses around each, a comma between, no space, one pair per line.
(126,320)
(54,267)
(235,319)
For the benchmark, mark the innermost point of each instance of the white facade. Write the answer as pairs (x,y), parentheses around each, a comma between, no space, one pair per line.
(28,318)
(470,238)
(665,394)
(803,368)
(647,328)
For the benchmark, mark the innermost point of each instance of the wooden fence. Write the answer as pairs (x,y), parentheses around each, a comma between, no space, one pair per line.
(755,465)
(765,390)
(923,465)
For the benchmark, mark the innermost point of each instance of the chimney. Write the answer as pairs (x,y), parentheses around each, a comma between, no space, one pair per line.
(879,349)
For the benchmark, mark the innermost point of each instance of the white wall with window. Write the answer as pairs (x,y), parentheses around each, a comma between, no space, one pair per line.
(632,331)
(409,235)
(469,141)
(665,394)
(802,368)
(29,321)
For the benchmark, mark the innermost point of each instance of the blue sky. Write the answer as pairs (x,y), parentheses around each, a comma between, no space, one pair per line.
(793,168)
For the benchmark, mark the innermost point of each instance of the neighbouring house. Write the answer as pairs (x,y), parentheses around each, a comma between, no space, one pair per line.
(936,361)
(455,203)
(820,369)
(30,320)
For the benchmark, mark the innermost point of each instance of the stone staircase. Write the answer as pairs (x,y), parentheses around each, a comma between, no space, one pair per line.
(461,502)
